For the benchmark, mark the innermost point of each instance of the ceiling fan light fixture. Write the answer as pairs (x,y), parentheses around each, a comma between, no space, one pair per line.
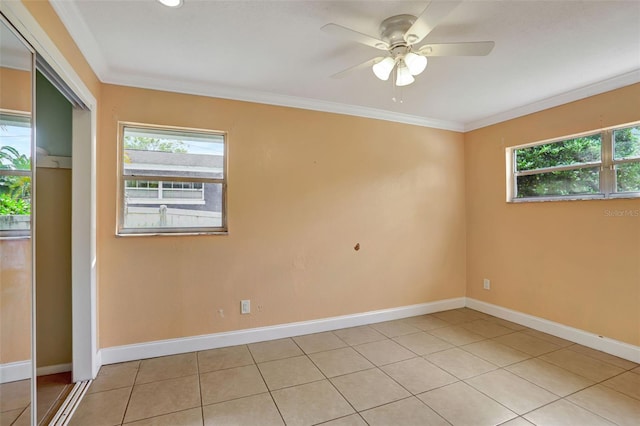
(171,3)
(383,69)
(404,77)
(416,63)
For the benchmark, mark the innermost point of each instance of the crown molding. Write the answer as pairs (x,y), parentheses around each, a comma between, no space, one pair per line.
(239,94)
(80,33)
(603,86)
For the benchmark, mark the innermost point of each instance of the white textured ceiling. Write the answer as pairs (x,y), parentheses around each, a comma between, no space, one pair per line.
(546,53)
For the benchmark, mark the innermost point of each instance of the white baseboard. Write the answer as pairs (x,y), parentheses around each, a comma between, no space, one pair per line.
(594,341)
(53,369)
(21,370)
(97,363)
(13,371)
(240,337)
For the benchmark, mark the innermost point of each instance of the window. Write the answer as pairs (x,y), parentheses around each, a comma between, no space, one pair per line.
(594,165)
(172,181)
(15,174)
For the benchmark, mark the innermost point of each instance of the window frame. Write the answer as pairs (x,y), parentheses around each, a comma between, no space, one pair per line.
(123,231)
(23,117)
(606,165)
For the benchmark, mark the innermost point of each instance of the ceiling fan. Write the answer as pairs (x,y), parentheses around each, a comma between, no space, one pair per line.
(399,36)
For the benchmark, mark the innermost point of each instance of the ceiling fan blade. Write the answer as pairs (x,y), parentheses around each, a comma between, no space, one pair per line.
(365,64)
(344,32)
(474,48)
(429,19)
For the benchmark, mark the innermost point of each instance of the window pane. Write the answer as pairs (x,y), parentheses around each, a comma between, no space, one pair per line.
(628,177)
(166,207)
(15,142)
(15,203)
(567,182)
(149,152)
(585,149)
(627,143)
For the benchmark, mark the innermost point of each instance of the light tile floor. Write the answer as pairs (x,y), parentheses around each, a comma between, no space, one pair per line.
(458,367)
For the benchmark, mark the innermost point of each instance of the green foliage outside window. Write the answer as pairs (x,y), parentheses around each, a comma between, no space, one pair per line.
(15,190)
(144,143)
(14,206)
(575,152)
(627,145)
(581,150)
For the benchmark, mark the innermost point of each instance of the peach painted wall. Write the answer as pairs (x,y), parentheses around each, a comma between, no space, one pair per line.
(15,89)
(570,261)
(15,300)
(15,255)
(304,188)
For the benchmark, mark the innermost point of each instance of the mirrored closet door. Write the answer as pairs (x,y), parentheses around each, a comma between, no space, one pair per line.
(16,244)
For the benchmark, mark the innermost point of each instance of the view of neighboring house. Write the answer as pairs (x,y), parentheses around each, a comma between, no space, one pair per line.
(153,203)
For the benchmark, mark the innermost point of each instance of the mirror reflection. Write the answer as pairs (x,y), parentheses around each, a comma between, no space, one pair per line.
(16,77)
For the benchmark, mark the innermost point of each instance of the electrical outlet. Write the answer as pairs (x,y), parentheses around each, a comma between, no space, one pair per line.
(487,284)
(245,306)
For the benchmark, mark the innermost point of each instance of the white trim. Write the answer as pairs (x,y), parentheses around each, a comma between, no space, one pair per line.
(585,338)
(68,13)
(70,404)
(158,348)
(13,371)
(83,246)
(240,337)
(53,369)
(613,83)
(260,97)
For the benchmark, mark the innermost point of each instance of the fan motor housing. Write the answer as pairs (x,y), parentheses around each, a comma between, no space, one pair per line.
(393,29)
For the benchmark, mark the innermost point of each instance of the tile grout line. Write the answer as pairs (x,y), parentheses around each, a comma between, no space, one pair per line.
(329,380)
(504,369)
(197,353)
(414,395)
(21,413)
(497,369)
(565,398)
(333,385)
(460,380)
(411,394)
(265,382)
(124,414)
